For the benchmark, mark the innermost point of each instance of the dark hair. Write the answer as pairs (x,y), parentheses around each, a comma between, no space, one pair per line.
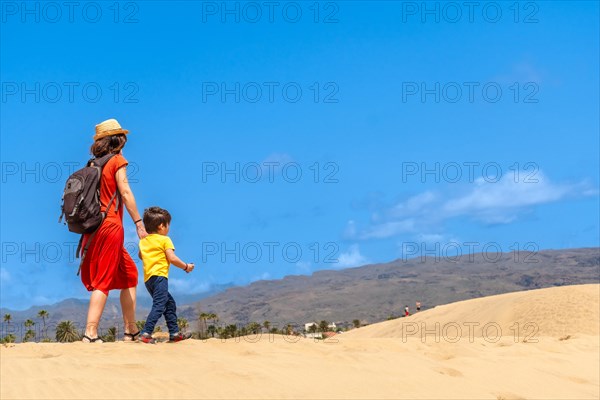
(153,217)
(108,144)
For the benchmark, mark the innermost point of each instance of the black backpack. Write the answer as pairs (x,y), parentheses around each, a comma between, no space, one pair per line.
(81,200)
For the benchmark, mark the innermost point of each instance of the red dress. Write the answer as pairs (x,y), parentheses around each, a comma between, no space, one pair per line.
(107,265)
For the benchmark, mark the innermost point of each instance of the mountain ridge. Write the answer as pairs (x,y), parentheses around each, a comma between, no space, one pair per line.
(369,293)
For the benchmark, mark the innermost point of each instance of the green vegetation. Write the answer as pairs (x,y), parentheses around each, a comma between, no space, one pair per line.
(30,333)
(43,314)
(110,335)
(10,338)
(66,332)
(183,324)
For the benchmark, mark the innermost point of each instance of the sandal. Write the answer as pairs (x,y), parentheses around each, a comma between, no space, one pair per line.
(131,336)
(90,340)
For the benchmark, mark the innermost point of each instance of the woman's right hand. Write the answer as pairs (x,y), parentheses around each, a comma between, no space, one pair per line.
(141,231)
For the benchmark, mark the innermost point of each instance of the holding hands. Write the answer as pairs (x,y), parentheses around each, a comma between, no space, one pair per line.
(141,231)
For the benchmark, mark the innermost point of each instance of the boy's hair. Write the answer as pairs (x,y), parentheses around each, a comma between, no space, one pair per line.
(153,217)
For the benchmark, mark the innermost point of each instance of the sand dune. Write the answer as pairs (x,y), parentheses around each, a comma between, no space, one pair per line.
(555,312)
(359,364)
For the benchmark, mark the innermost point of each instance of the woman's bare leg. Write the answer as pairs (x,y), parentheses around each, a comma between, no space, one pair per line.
(97,303)
(128,308)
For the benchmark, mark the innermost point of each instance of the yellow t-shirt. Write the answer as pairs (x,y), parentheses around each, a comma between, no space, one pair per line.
(153,250)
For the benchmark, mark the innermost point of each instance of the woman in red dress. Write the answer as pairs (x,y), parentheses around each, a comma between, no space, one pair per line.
(106,265)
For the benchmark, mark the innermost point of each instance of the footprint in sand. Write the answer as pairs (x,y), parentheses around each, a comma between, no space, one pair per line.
(509,396)
(449,371)
(440,357)
(578,380)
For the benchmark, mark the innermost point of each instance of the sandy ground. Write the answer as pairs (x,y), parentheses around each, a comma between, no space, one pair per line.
(559,360)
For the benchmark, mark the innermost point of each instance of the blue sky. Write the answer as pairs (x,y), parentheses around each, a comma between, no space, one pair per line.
(341,118)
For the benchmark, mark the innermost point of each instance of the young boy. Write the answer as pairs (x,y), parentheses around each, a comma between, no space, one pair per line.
(157,253)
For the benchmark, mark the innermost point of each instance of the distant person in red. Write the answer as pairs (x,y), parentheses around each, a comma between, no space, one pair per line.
(418,304)
(406,313)
(106,265)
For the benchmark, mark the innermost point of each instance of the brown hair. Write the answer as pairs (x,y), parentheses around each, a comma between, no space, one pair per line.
(108,144)
(153,217)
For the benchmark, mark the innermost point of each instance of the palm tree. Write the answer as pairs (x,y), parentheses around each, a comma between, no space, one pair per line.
(312,328)
(43,314)
(209,329)
(228,331)
(10,338)
(253,327)
(203,317)
(212,330)
(323,326)
(267,324)
(356,323)
(66,332)
(183,324)
(140,325)
(7,318)
(111,335)
(30,333)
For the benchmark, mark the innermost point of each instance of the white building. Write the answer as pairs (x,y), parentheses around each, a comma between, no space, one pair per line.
(309,324)
(332,326)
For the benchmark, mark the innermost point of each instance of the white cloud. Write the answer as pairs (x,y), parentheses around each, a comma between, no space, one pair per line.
(388,229)
(350,231)
(304,267)
(501,202)
(262,277)
(415,205)
(431,237)
(498,202)
(523,72)
(273,164)
(43,300)
(4,275)
(351,258)
(188,286)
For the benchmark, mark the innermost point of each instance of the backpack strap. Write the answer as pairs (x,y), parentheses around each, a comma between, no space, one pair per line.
(85,249)
(114,196)
(100,162)
(89,241)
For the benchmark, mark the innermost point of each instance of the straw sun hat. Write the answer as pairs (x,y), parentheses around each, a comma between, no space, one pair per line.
(108,128)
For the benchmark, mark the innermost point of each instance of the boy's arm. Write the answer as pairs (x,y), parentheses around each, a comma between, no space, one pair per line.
(176,261)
